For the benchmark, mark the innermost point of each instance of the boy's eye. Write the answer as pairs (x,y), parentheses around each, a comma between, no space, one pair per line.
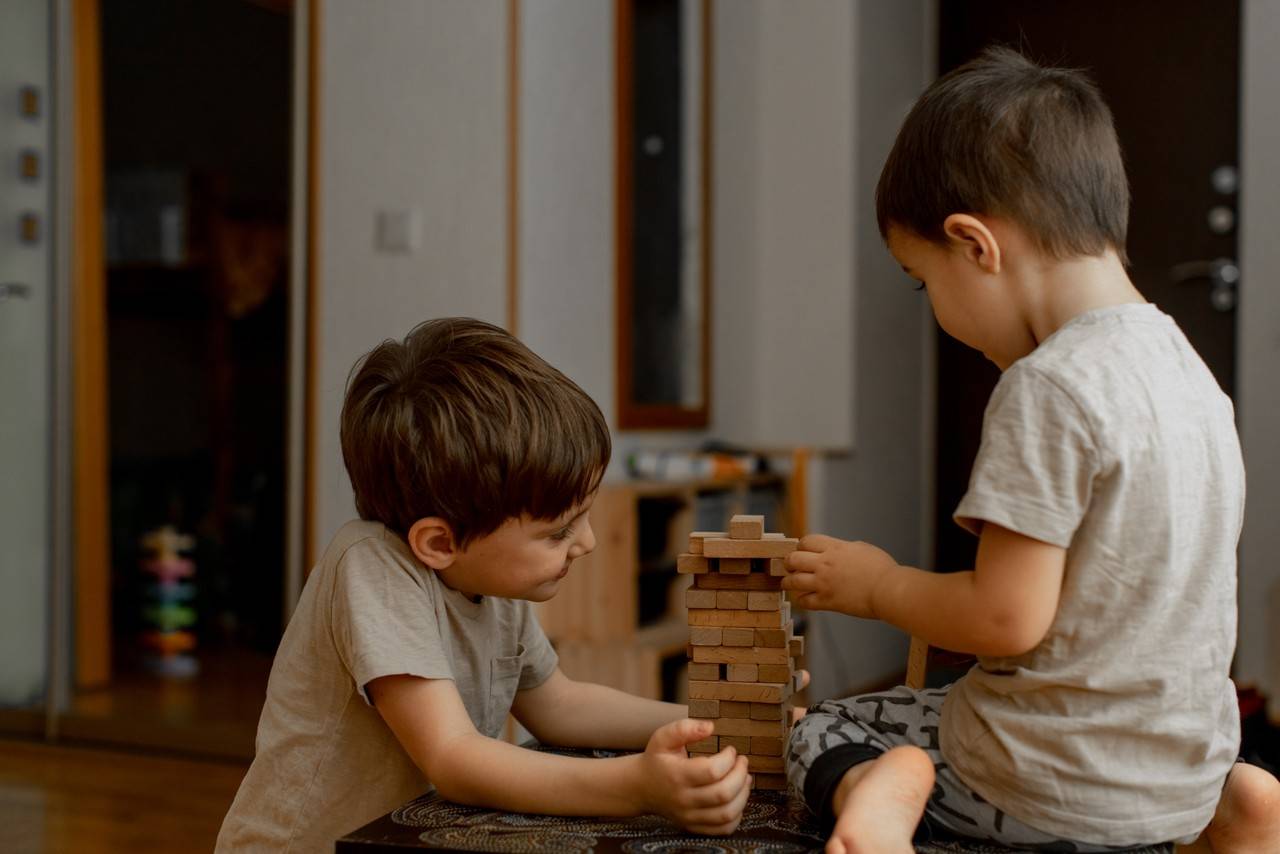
(563,533)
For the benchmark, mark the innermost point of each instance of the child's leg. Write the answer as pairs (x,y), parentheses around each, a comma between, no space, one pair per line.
(1247,820)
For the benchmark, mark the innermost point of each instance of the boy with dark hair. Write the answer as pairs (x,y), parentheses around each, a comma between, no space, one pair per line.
(474,464)
(1107,496)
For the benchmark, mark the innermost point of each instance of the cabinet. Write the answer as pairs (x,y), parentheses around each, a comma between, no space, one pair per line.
(619,617)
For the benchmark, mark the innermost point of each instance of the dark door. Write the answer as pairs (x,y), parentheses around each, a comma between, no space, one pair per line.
(1170,72)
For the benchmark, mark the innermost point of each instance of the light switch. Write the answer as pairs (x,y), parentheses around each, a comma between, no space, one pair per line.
(398,231)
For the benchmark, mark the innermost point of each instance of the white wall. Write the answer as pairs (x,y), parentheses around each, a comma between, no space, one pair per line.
(1258,343)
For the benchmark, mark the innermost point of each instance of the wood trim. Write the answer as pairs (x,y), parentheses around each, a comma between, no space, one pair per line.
(312,297)
(513,167)
(91,561)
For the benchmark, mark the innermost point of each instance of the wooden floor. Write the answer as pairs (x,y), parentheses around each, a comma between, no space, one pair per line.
(58,800)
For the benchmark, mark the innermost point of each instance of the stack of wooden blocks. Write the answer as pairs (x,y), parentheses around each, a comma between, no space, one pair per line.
(742,653)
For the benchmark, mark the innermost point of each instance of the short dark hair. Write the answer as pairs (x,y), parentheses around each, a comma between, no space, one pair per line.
(462,421)
(1003,136)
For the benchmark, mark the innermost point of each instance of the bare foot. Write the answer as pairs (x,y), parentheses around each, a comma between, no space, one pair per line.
(1247,820)
(879,803)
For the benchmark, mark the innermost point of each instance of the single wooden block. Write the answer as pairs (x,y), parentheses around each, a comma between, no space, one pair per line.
(735,566)
(729,600)
(777,638)
(797,646)
(773,535)
(706,745)
(750,581)
(773,782)
(743,672)
(740,743)
(746,726)
(747,692)
(692,564)
(741,619)
(737,637)
(917,663)
(773,673)
(704,708)
(709,672)
(734,709)
(696,538)
(760,600)
(706,636)
(766,764)
(746,528)
(763,711)
(694,598)
(726,547)
(777,567)
(741,655)
(766,745)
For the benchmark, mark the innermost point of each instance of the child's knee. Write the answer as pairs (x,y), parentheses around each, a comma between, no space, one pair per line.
(1251,797)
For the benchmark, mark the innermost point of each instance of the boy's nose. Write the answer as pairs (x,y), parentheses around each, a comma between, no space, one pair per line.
(584,543)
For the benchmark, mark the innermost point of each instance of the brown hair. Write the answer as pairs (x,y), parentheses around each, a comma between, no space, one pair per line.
(1003,136)
(464,422)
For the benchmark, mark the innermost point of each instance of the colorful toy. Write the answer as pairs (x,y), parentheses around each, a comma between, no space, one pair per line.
(166,610)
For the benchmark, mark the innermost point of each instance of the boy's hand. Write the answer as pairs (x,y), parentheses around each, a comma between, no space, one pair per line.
(704,794)
(827,574)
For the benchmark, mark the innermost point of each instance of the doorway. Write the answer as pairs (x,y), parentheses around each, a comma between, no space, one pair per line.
(1170,73)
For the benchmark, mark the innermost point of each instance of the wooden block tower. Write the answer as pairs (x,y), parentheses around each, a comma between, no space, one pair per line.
(742,653)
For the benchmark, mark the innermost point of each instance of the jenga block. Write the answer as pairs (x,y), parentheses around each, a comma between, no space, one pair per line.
(746,528)
(747,692)
(735,566)
(773,535)
(704,708)
(729,600)
(696,538)
(740,743)
(706,745)
(770,637)
(917,663)
(746,726)
(737,637)
(760,600)
(725,547)
(705,636)
(761,711)
(797,646)
(694,598)
(743,672)
(773,782)
(750,581)
(741,655)
(766,764)
(777,567)
(765,745)
(734,709)
(692,564)
(709,672)
(771,673)
(741,619)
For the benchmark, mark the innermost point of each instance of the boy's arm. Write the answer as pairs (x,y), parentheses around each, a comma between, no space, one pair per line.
(704,794)
(567,713)
(1004,607)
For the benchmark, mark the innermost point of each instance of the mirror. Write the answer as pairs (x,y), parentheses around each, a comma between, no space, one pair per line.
(663,213)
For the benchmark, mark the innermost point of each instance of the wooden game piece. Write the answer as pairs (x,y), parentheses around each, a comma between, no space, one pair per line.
(773,535)
(746,528)
(772,673)
(743,672)
(777,567)
(773,782)
(687,564)
(742,619)
(917,663)
(764,745)
(761,600)
(711,744)
(729,600)
(771,637)
(696,538)
(747,692)
(766,764)
(741,655)
(748,581)
(706,636)
(733,709)
(797,646)
(704,708)
(765,711)
(737,637)
(694,598)
(748,727)
(735,566)
(740,743)
(710,672)
(726,547)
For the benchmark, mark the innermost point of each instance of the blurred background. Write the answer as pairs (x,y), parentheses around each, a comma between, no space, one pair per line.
(209,209)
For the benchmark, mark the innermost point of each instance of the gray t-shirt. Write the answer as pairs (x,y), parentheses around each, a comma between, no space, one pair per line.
(1112,440)
(325,762)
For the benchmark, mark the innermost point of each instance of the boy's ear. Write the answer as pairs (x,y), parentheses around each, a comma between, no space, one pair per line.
(971,236)
(433,543)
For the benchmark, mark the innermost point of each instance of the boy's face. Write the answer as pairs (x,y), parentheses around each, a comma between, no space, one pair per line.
(525,558)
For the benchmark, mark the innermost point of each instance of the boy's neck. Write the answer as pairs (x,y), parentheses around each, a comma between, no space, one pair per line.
(1052,293)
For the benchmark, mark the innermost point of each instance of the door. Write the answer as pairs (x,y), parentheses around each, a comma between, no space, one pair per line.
(1170,73)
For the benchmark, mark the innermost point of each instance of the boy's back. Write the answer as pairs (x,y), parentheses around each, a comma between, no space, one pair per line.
(1113,441)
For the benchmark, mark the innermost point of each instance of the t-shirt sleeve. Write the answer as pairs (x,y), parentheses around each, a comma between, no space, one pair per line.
(539,660)
(1036,464)
(384,619)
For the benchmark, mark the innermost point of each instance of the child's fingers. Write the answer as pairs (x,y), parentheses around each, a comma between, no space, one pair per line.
(723,819)
(804,679)
(723,790)
(816,543)
(703,771)
(799,561)
(675,735)
(801,583)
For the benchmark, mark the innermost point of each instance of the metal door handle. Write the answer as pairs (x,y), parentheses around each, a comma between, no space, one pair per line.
(1223,275)
(14,290)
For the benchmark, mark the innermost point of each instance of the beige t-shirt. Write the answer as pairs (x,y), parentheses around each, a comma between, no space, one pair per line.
(325,762)
(1113,441)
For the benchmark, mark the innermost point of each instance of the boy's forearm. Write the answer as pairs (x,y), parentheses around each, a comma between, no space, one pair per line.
(945,609)
(598,716)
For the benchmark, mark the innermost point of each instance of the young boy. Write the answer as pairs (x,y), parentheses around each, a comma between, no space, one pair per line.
(474,464)
(1107,496)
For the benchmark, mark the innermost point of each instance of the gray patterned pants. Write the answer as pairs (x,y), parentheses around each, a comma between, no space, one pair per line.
(836,734)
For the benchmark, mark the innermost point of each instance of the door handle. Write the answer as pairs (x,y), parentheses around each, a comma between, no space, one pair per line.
(14,290)
(1223,275)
